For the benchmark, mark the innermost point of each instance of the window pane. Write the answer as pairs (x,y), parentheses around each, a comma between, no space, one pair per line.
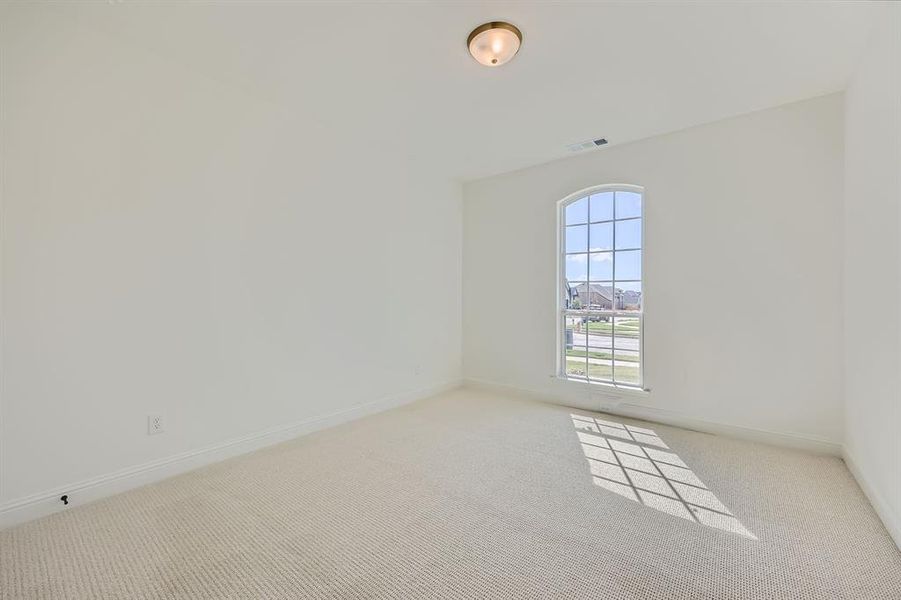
(601,267)
(628,358)
(575,364)
(577,238)
(626,332)
(628,234)
(574,345)
(577,267)
(576,295)
(626,369)
(600,372)
(601,237)
(600,335)
(596,296)
(628,265)
(628,204)
(599,351)
(626,349)
(577,212)
(600,347)
(628,295)
(602,207)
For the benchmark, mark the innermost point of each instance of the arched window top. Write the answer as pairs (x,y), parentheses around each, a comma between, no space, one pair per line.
(599,189)
(600,284)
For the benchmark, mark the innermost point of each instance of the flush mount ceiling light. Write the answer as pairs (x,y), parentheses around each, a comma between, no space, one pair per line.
(494,43)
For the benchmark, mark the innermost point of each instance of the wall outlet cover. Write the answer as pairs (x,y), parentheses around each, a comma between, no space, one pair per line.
(154,424)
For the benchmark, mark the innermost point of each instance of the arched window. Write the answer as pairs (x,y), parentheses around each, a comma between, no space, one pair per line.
(600,285)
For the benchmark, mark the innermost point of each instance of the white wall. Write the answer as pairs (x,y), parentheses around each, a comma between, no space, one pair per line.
(175,244)
(873,270)
(742,272)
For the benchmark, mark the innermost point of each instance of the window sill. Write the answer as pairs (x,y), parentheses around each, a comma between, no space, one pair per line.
(609,389)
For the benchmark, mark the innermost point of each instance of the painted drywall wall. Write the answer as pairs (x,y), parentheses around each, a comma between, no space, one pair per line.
(742,272)
(178,244)
(872,232)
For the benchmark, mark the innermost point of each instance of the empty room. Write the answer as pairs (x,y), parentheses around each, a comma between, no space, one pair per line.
(450,299)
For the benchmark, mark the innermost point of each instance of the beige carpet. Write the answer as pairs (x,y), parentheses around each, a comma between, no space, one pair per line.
(474,495)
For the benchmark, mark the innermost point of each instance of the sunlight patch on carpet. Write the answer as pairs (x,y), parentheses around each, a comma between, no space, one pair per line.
(635,463)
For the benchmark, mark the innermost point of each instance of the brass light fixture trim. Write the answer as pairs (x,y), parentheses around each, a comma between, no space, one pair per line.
(498,46)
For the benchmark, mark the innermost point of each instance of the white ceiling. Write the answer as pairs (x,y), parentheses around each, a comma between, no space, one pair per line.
(400,74)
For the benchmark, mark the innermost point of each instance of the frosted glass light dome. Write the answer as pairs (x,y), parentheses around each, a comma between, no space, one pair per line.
(495,43)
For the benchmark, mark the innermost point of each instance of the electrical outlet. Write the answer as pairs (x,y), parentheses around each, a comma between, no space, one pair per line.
(154,424)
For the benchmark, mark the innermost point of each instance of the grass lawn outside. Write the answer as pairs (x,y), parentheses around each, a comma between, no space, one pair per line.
(626,329)
(575,366)
(603,355)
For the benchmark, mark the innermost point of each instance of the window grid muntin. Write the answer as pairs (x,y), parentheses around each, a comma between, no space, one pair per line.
(611,315)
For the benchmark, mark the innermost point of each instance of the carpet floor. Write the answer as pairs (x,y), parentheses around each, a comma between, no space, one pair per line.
(474,495)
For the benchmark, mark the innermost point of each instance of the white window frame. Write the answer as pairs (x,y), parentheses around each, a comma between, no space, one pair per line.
(563,312)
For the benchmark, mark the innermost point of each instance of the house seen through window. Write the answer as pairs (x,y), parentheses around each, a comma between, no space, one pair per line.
(601,286)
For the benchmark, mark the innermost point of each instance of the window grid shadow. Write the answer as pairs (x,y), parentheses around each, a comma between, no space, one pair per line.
(604,442)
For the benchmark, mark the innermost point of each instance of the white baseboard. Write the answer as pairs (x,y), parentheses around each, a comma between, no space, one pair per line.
(666,417)
(45,503)
(889,517)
